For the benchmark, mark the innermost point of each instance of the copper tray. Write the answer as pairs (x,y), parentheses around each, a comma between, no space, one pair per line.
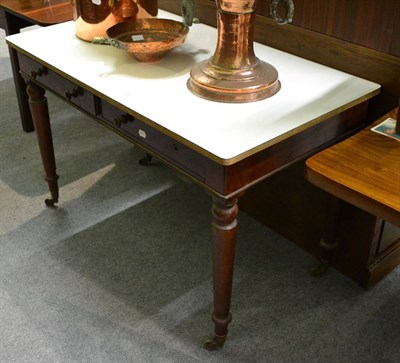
(148,40)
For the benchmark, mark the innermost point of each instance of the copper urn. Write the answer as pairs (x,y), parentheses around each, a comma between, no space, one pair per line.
(234,73)
(93,17)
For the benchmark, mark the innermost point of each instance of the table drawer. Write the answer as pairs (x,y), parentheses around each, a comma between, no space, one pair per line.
(155,141)
(58,84)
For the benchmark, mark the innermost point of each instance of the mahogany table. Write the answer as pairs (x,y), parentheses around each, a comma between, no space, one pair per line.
(223,148)
(18,14)
(363,170)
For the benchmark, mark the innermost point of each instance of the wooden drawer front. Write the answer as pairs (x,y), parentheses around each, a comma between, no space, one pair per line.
(155,141)
(56,83)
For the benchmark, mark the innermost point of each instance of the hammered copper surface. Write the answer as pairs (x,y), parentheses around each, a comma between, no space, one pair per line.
(148,40)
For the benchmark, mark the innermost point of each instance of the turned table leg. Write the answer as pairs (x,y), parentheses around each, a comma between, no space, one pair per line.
(328,243)
(41,120)
(224,227)
(12,24)
(146,159)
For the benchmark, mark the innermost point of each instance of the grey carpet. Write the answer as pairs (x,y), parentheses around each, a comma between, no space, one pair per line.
(121,270)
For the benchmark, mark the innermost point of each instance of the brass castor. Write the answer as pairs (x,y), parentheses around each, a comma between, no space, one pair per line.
(51,201)
(146,160)
(214,343)
(320,270)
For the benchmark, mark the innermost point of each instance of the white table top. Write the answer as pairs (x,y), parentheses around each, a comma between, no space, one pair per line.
(225,132)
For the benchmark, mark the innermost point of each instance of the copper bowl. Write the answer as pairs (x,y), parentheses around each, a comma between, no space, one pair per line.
(148,40)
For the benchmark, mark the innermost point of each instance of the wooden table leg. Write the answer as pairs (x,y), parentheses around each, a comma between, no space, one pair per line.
(19,83)
(328,243)
(12,25)
(41,119)
(224,227)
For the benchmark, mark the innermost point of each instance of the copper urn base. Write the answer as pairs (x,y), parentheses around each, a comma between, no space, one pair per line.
(234,73)
(229,85)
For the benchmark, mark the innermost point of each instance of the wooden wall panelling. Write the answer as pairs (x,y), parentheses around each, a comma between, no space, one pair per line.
(351,58)
(370,23)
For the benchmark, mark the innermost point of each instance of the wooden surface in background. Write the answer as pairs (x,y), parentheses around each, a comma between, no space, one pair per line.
(370,23)
(38,11)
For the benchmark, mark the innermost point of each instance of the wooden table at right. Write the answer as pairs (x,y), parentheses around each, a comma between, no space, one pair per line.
(363,170)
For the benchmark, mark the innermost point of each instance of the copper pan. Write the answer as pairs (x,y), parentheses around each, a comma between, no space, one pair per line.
(148,40)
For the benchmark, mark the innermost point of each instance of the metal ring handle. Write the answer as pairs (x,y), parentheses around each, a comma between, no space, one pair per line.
(287,5)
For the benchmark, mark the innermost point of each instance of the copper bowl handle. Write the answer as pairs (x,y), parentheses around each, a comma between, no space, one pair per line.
(107,41)
(187,12)
(287,5)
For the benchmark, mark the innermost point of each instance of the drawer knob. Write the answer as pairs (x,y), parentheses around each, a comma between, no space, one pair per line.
(38,73)
(74,93)
(123,119)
